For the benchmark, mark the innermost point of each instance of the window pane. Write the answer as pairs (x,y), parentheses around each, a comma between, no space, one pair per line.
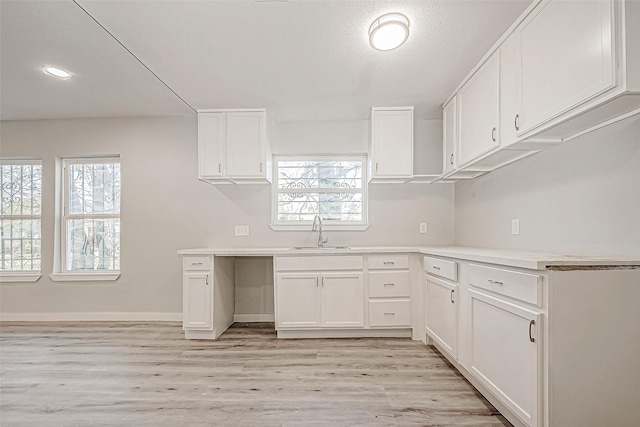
(93,244)
(21,189)
(94,188)
(20,244)
(320,174)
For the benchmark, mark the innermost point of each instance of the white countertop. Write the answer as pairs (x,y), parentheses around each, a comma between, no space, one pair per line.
(523,259)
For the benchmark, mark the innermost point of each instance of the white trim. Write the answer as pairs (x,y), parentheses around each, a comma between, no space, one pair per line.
(94,276)
(254,317)
(307,227)
(346,333)
(91,317)
(19,276)
(230,110)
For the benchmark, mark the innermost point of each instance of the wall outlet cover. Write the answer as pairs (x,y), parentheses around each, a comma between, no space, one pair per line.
(423,227)
(515,226)
(242,230)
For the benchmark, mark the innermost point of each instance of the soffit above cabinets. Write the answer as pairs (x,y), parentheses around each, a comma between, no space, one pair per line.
(302,60)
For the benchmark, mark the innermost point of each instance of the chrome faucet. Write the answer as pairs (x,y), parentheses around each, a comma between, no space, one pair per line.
(317,226)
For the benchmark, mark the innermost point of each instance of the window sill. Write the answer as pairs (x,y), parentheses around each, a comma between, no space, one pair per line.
(19,276)
(94,276)
(307,227)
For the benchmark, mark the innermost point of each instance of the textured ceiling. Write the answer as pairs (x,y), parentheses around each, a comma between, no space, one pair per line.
(302,60)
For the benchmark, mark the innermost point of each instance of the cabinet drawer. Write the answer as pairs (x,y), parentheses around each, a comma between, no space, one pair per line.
(320,262)
(441,267)
(385,262)
(197,263)
(389,284)
(521,286)
(390,313)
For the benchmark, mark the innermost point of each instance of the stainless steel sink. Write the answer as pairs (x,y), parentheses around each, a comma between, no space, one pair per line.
(302,248)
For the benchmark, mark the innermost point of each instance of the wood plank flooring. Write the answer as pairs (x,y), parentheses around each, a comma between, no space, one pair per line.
(147,374)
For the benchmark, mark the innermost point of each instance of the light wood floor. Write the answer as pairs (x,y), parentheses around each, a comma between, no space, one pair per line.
(147,374)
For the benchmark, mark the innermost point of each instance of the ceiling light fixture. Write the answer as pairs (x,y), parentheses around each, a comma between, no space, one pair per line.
(56,72)
(389,31)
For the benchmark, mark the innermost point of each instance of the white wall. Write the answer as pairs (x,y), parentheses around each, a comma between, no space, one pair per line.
(166,208)
(582,196)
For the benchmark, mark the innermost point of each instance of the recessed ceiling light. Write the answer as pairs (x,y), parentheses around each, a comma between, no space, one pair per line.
(56,72)
(389,31)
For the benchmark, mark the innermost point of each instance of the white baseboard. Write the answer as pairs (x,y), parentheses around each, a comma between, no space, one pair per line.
(91,317)
(254,317)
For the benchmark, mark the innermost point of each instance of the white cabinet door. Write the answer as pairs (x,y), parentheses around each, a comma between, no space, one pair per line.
(565,49)
(245,145)
(478,111)
(297,300)
(505,353)
(197,301)
(392,143)
(442,314)
(211,140)
(342,300)
(509,117)
(449,135)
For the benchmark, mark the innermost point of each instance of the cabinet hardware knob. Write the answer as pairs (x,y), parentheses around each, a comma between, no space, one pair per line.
(531,338)
(451,296)
(389,314)
(220,167)
(206,280)
(389,284)
(376,166)
(451,161)
(495,282)
(261,167)
(388,262)
(317,282)
(493,134)
(436,267)
(516,122)
(196,263)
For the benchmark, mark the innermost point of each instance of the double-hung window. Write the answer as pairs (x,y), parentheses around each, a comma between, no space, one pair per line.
(333,188)
(91,215)
(20,220)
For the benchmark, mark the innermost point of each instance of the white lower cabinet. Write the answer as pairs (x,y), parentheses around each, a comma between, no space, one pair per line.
(442,313)
(306,297)
(197,301)
(298,302)
(506,353)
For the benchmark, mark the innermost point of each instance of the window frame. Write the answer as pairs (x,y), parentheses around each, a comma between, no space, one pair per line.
(63,273)
(329,225)
(25,275)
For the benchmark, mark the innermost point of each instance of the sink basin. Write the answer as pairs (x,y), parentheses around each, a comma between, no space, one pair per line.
(301,248)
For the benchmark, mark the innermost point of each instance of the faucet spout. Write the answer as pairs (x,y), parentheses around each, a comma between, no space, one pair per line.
(317,226)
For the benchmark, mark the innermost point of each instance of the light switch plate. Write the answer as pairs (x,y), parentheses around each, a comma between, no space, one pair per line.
(515,226)
(242,230)
(423,227)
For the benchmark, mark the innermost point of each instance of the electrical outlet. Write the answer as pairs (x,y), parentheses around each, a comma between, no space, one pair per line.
(515,226)
(423,227)
(242,230)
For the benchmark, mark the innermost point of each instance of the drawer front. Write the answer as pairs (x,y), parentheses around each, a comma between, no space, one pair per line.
(390,313)
(387,262)
(197,263)
(521,286)
(319,262)
(389,284)
(441,267)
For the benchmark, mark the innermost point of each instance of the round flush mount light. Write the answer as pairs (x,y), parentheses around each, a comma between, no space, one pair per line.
(389,31)
(56,72)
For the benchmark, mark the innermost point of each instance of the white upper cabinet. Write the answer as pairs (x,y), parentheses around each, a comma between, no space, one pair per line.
(478,112)
(562,69)
(233,146)
(391,146)
(449,135)
(566,54)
